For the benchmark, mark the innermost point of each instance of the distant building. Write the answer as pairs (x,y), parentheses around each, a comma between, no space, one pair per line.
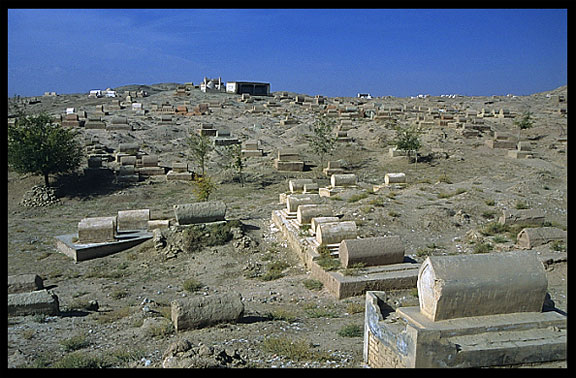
(364,95)
(212,85)
(252,88)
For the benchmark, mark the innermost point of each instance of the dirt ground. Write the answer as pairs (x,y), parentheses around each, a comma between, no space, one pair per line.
(459,184)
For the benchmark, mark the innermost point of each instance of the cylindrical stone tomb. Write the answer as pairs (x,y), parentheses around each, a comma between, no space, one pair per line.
(310,188)
(130,220)
(334,233)
(297,186)
(200,212)
(201,311)
(129,148)
(314,222)
(476,285)
(97,230)
(128,160)
(305,213)
(344,179)
(383,250)
(150,160)
(295,200)
(394,178)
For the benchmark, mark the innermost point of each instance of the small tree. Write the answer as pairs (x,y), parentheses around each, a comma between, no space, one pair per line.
(236,160)
(408,138)
(200,147)
(322,141)
(525,122)
(203,187)
(37,145)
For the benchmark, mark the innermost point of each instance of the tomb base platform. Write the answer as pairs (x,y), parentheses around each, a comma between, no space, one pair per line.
(406,338)
(381,277)
(81,252)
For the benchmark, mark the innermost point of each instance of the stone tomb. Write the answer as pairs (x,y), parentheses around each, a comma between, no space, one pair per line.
(289,160)
(102,236)
(330,231)
(476,310)
(251,148)
(343,184)
(179,172)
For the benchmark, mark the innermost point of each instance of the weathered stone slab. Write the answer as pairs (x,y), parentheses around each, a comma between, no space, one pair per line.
(21,283)
(334,233)
(344,179)
(314,222)
(201,311)
(305,213)
(529,238)
(522,216)
(35,302)
(200,212)
(295,200)
(482,284)
(96,230)
(383,250)
(130,220)
(394,178)
(297,185)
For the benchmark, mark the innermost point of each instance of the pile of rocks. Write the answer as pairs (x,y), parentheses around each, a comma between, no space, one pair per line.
(40,196)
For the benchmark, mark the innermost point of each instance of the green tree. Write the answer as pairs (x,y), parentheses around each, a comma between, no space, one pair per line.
(202,187)
(200,147)
(525,122)
(39,146)
(236,160)
(322,141)
(408,138)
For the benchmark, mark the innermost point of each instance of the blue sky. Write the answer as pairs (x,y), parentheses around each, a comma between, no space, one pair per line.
(332,52)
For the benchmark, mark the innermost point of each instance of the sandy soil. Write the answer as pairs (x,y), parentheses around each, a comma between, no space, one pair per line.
(458,185)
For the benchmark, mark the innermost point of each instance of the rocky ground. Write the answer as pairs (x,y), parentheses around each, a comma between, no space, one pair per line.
(457,187)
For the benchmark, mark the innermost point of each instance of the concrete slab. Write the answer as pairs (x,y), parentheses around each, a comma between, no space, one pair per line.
(80,252)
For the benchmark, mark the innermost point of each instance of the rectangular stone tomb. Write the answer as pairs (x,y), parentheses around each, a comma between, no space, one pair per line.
(380,277)
(24,283)
(34,302)
(475,311)
(97,230)
(131,220)
(68,244)
(406,339)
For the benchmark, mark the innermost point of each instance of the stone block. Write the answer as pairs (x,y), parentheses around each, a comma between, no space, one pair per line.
(529,238)
(345,179)
(371,251)
(203,311)
(461,286)
(175,176)
(150,160)
(35,302)
(296,166)
(334,233)
(305,213)
(130,220)
(394,178)
(200,212)
(295,200)
(96,230)
(21,283)
(522,216)
(297,185)
(314,222)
